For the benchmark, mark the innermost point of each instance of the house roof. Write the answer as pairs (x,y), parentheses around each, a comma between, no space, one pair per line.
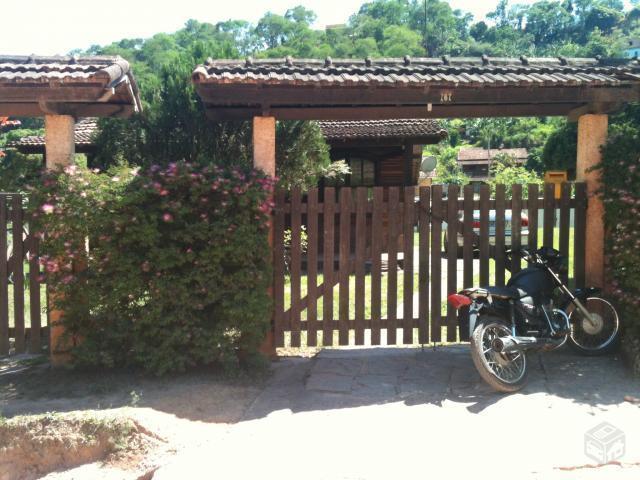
(418,130)
(85,131)
(97,85)
(413,87)
(469,155)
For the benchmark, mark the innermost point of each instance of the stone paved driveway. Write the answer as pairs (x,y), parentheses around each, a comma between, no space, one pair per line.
(413,414)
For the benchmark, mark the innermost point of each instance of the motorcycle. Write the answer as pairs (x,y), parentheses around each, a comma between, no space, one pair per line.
(534,311)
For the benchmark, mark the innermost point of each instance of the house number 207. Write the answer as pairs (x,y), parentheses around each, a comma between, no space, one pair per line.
(446,96)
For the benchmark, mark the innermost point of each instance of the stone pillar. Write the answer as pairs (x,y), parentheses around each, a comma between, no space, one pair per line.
(60,150)
(264,144)
(592,134)
(264,158)
(60,143)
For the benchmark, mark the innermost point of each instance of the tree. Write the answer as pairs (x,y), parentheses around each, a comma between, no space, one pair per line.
(448,172)
(560,150)
(400,41)
(509,173)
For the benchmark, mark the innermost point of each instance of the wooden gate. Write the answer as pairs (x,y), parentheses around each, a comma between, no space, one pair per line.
(372,266)
(21,292)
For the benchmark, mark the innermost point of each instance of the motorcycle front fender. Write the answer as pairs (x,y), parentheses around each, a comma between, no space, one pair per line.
(584,293)
(581,294)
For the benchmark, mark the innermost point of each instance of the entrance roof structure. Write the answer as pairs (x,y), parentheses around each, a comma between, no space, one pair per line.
(303,89)
(80,86)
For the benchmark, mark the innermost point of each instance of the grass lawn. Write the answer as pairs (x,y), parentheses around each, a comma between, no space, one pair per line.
(27,307)
(400,285)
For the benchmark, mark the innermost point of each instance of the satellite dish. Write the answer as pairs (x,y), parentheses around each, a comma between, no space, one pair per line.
(428,164)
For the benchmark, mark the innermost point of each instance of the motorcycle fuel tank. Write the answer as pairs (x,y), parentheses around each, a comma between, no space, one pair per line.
(537,282)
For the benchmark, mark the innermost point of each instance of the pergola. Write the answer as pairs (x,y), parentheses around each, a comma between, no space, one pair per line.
(62,89)
(582,89)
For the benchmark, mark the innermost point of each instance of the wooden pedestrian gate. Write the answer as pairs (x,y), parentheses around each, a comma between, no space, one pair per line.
(373,266)
(22,319)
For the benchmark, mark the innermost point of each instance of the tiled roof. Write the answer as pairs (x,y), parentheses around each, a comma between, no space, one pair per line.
(85,130)
(68,79)
(35,69)
(469,154)
(471,71)
(380,129)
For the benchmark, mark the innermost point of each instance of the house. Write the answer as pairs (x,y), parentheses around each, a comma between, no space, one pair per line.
(84,133)
(632,48)
(381,152)
(476,162)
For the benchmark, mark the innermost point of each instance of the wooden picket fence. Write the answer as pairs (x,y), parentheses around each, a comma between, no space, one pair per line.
(365,266)
(21,315)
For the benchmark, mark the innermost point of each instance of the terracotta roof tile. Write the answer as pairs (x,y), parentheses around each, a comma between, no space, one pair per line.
(469,154)
(379,129)
(446,71)
(112,74)
(29,69)
(84,134)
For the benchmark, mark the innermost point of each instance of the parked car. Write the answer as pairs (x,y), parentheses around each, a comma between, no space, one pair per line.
(524,231)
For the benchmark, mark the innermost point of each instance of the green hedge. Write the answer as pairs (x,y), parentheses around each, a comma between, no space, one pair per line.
(178,269)
(620,169)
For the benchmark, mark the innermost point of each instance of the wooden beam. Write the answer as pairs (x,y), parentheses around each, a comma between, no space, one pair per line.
(345,95)
(30,109)
(63,93)
(592,134)
(391,112)
(593,108)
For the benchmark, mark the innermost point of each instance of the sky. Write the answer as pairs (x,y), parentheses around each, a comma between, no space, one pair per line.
(50,27)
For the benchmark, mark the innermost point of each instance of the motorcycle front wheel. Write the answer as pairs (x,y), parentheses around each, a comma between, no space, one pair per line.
(595,338)
(505,372)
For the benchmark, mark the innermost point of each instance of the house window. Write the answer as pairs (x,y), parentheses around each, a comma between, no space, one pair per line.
(363,172)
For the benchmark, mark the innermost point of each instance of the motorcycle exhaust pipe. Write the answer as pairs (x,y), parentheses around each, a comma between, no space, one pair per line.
(510,344)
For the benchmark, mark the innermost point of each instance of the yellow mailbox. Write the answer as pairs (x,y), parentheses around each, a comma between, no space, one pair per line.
(557,177)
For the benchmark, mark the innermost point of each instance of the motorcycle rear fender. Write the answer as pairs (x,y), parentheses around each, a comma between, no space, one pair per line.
(473,318)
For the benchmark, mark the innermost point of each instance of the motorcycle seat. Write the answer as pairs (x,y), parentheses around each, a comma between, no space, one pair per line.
(506,293)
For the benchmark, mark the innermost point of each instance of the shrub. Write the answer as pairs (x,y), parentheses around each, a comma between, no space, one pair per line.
(178,265)
(620,170)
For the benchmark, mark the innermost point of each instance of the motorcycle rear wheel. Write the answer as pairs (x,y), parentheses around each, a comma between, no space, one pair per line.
(504,372)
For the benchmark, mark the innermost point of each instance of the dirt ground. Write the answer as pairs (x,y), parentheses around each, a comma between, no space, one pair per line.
(170,414)
(373,414)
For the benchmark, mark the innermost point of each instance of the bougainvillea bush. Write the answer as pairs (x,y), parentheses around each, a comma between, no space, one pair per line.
(163,268)
(621,195)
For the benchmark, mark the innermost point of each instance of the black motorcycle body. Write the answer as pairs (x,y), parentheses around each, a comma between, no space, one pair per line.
(535,310)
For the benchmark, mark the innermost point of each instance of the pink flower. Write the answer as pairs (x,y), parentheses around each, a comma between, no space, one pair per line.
(167,217)
(47,208)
